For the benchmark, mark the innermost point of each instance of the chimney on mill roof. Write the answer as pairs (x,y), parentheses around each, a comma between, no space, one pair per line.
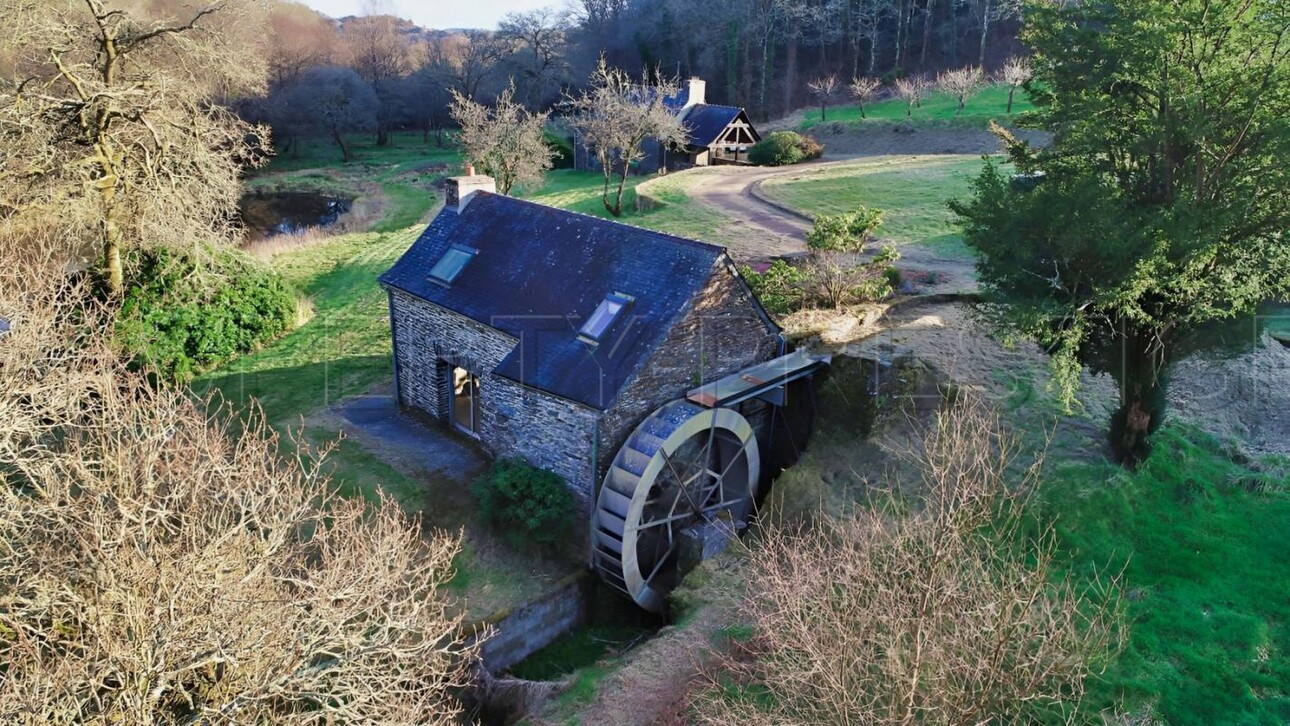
(459,189)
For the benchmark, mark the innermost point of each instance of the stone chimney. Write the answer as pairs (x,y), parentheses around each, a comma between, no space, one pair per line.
(698,89)
(459,189)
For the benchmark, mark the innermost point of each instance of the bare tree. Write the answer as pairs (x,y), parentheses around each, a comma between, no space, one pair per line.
(911,90)
(110,121)
(465,62)
(1016,71)
(825,89)
(333,102)
(539,39)
(948,614)
(301,39)
(162,567)
(614,117)
(506,141)
(380,55)
(961,83)
(863,89)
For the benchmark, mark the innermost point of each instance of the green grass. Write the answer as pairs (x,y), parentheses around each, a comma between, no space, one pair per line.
(937,109)
(580,649)
(1205,546)
(911,190)
(344,350)
(580,191)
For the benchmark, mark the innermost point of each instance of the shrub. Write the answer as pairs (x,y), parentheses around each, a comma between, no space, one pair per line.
(784,147)
(836,279)
(527,503)
(185,312)
(846,232)
(780,288)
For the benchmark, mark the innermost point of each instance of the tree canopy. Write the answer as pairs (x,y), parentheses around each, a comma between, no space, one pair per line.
(1162,203)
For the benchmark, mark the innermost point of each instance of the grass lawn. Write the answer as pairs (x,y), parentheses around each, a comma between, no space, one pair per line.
(1205,546)
(580,191)
(912,190)
(938,109)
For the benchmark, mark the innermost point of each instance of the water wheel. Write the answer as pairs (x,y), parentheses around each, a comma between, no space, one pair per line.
(684,467)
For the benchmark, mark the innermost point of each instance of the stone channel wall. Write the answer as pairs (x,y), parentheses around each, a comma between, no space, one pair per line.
(516,634)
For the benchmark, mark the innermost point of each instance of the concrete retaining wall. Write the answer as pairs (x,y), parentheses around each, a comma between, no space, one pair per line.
(518,633)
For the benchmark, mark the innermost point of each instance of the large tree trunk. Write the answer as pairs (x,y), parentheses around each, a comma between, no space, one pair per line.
(986,14)
(1141,398)
(112,251)
(1011,91)
(927,33)
(340,141)
(790,74)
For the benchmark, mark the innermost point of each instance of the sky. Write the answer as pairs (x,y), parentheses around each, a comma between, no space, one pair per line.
(436,13)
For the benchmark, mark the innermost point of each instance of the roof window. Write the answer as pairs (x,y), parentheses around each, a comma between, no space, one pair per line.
(606,313)
(452,263)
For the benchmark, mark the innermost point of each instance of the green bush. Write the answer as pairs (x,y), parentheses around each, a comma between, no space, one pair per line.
(528,504)
(784,147)
(186,312)
(846,232)
(781,288)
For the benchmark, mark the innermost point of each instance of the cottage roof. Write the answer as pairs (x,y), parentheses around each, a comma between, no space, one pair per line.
(706,122)
(538,273)
(679,100)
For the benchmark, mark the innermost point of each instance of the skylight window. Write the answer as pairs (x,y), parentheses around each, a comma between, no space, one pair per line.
(452,263)
(606,313)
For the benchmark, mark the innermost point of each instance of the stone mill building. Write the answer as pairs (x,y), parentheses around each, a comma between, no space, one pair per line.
(551,335)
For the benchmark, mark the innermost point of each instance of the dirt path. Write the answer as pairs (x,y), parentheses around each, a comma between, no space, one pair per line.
(765,229)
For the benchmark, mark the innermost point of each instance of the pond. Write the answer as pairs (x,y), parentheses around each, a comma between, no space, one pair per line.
(266,214)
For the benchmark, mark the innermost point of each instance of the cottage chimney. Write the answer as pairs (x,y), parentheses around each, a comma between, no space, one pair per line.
(697,89)
(459,189)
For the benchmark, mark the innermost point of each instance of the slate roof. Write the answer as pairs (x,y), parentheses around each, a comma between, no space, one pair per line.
(706,122)
(541,271)
(678,100)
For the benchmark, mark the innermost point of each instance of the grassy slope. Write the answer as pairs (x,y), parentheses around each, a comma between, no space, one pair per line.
(397,178)
(1207,593)
(936,109)
(912,190)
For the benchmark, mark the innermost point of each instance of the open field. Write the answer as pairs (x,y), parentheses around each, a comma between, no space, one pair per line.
(911,190)
(938,109)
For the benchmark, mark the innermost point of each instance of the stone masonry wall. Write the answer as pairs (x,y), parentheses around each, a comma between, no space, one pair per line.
(425,334)
(547,431)
(720,334)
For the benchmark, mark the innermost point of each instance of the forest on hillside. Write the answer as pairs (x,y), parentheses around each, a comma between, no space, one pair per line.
(380,73)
